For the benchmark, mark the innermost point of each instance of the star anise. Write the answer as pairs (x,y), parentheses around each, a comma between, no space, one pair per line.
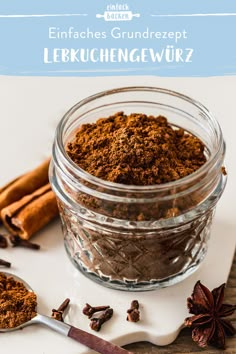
(208,323)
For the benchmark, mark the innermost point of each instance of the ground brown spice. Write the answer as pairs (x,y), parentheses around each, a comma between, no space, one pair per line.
(136,149)
(17,304)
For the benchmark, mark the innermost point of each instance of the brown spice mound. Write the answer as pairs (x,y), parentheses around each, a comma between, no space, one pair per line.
(17,304)
(136,149)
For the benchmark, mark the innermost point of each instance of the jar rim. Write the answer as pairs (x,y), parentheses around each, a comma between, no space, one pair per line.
(80,173)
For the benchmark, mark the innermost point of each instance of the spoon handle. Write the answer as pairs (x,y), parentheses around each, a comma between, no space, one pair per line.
(96,343)
(90,340)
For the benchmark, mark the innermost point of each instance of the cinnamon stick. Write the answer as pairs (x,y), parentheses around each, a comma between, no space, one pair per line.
(29,214)
(24,185)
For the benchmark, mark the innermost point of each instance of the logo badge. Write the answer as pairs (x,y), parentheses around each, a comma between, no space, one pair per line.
(117,13)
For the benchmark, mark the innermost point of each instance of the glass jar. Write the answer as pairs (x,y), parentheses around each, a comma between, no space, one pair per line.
(138,237)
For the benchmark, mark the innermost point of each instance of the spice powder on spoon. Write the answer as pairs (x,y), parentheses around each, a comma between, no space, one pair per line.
(17,303)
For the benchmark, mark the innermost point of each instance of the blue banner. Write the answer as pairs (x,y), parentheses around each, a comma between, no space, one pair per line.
(92,38)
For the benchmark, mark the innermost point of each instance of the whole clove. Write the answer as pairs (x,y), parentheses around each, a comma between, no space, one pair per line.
(89,310)
(97,322)
(58,314)
(133,312)
(5,263)
(3,241)
(223,170)
(16,241)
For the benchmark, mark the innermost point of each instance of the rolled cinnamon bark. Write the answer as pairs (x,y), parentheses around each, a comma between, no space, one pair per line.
(24,185)
(9,184)
(29,214)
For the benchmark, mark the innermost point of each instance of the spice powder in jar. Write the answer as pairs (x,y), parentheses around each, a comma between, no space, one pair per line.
(135,200)
(136,149)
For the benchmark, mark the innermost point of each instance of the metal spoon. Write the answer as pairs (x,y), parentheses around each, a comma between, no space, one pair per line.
(91,341)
